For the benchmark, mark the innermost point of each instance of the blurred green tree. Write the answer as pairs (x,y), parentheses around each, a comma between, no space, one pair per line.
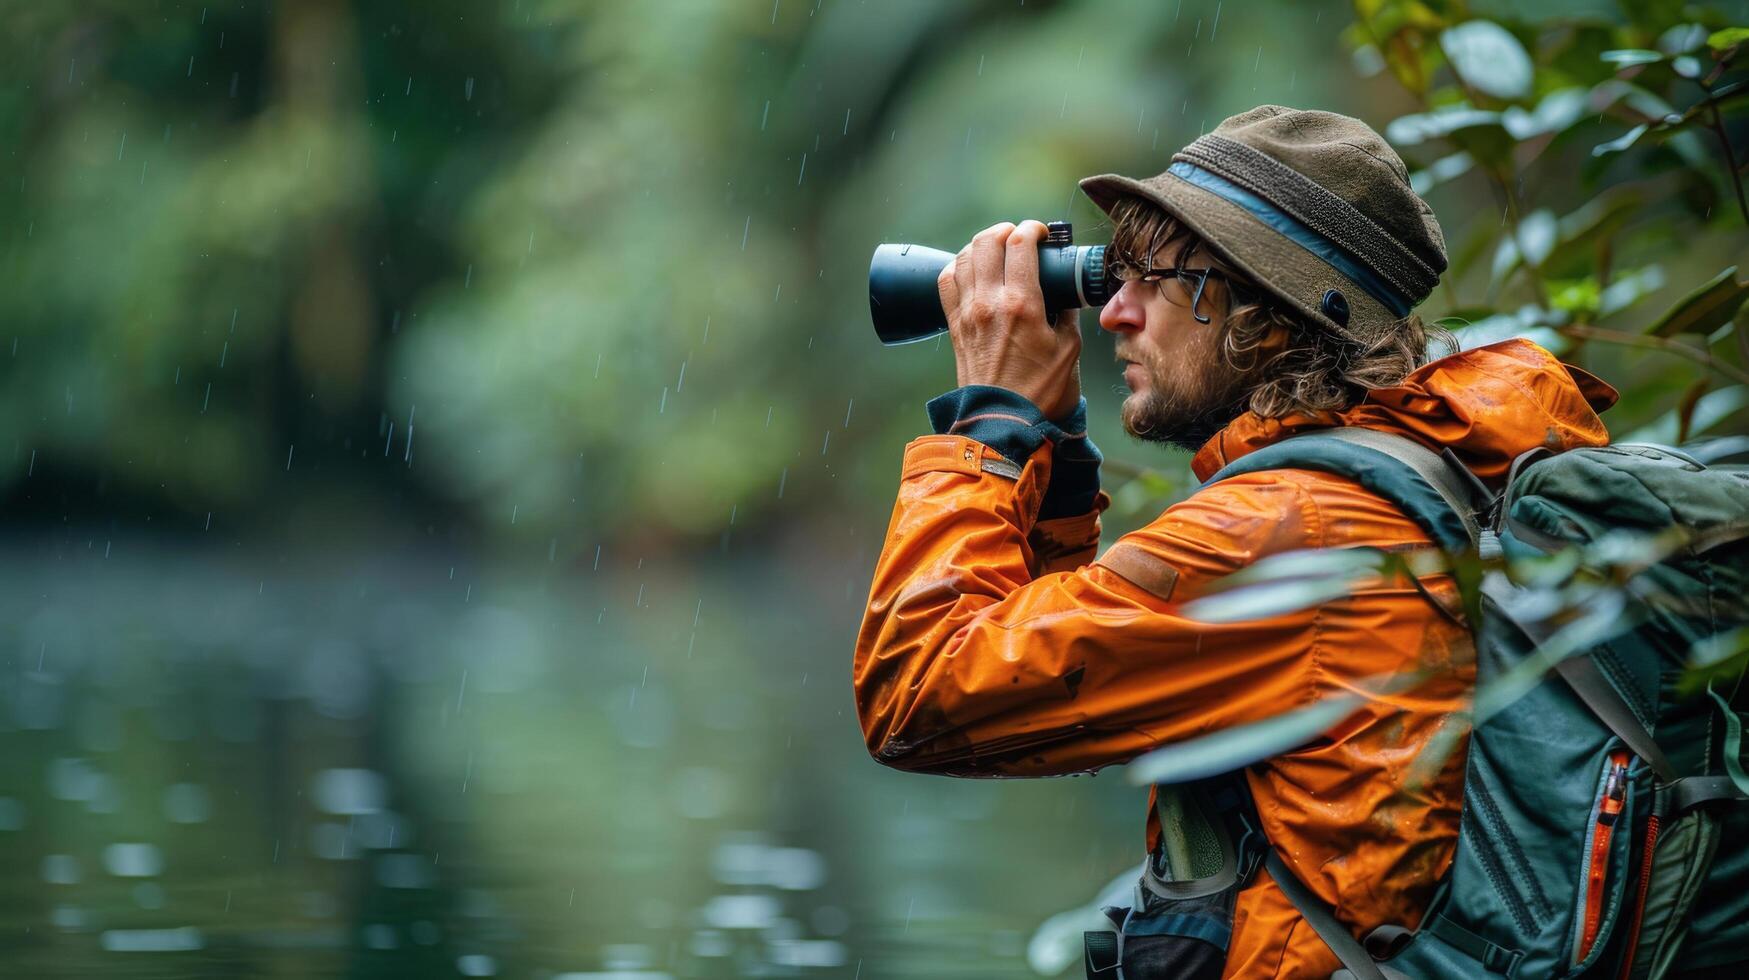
(575,272)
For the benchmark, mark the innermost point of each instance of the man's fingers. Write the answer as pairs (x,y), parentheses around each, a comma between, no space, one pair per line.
(1021,269)
(948,284)
(963,285)
(989,251)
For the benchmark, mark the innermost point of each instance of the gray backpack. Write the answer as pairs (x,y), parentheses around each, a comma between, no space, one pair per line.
(1604,831)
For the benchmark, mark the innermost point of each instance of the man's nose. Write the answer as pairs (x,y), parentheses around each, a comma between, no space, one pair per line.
(1122,314)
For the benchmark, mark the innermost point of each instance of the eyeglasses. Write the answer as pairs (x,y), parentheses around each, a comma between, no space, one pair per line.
(1193,279)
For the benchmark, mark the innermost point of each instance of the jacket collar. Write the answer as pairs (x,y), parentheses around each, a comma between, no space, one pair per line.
(1488,405)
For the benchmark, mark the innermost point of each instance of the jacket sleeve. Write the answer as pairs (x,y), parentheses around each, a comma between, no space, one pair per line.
(1066,532)
(976,658)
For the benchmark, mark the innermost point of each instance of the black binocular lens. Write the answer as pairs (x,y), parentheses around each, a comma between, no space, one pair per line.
(905,302)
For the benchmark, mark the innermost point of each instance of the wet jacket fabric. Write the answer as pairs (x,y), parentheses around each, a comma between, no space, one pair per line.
(994,643)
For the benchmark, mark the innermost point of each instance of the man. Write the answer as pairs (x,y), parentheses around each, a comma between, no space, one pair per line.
(1269,277)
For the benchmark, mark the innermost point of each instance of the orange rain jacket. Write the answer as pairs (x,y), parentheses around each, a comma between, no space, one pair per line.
(995,644)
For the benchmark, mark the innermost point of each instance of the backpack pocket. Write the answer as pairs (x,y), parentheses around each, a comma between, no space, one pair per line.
(1604,870)
(1674,865)
(1540,877)
(1172,939)
(1181,920)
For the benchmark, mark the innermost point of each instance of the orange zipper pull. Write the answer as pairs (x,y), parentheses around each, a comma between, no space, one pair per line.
(1615,793)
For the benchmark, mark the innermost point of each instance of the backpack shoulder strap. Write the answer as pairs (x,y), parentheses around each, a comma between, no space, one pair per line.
(1587,681)
(1323,921)
(1429,488)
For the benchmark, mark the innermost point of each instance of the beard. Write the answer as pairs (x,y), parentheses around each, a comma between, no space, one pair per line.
(1185,415)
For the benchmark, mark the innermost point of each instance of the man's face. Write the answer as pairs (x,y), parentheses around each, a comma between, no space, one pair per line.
(1182,390)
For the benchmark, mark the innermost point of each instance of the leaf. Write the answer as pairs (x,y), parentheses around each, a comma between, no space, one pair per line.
(1645,106)
(1579,297)
(1628,57)
(1236,748)
(1530,245)
(1252,602)
(1594,618)
(1717,406)
(1546,571)
(1724,449)
(1460,319)
(1527,322)
(1685,407)
(1404,30)
(1706,308)
(1629,289)
(1682,38)
(1440,171)
(1557,110)
(1488,58)
(1536,236)
(1633,551)
(1057,944)
(1621,142)
(1655,114)
(1730,37)
(1593,223)
(1741,322)
(1447,739)
(1719,657)
(1422,126)
(1367,60)
(1348,563)
(1712,408)
(1724,97)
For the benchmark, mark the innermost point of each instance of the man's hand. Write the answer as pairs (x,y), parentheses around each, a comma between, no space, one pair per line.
(996,316)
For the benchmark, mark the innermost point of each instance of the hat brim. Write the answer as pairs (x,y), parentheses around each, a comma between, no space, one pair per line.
(1268,257)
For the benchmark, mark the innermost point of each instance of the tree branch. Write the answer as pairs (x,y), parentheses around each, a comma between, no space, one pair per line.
(1730,158)
(1695,354)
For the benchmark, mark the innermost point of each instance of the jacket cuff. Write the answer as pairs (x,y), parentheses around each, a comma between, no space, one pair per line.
(1011,424)
(1074,470)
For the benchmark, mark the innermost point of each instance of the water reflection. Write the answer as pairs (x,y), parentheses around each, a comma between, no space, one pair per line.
(374,770)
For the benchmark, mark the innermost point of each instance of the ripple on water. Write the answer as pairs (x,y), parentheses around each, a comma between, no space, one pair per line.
(133,860)
(61,869)
(807,952)
(741,911)
(476,965)
(350,791)
(749,861)
(151,940)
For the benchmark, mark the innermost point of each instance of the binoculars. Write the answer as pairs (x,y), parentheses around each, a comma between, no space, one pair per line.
(905,301)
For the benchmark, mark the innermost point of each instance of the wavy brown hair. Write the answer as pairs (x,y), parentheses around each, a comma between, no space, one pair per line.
(1317,369)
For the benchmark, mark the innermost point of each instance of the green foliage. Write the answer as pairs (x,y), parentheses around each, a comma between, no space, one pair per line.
(1716,659)
(569,273)
(1243,745)
(1706,308)
(1615,176)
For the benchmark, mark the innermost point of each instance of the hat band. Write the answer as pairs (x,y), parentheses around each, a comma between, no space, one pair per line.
(1293,230)
(1318,208)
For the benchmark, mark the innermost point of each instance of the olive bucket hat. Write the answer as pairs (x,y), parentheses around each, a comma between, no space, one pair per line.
(1314,206)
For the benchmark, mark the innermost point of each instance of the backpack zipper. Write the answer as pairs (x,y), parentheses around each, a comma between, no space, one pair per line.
(1615,791)
(1650,848)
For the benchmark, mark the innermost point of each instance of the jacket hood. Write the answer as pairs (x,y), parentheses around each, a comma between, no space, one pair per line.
(1489,405)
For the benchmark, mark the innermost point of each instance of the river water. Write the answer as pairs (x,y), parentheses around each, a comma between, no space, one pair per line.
(373,766)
